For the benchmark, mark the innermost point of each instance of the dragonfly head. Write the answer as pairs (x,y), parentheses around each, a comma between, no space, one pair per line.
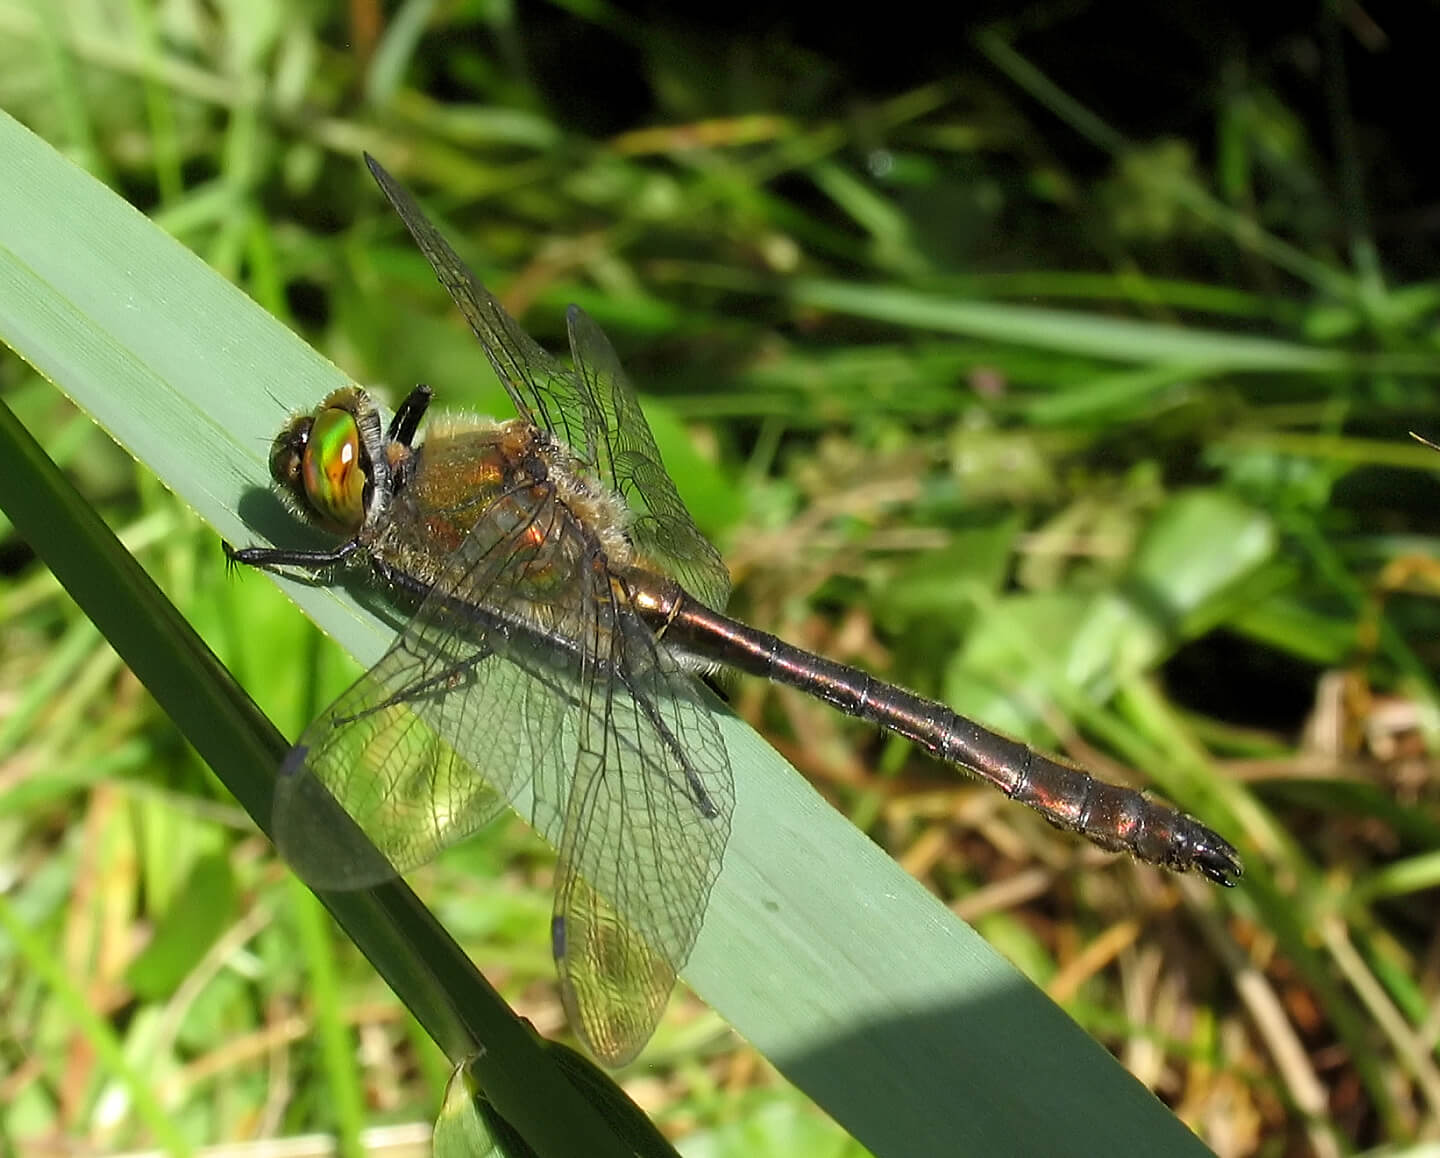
(330,465)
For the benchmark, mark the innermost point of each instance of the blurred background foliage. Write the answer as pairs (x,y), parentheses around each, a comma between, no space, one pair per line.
(1060,367)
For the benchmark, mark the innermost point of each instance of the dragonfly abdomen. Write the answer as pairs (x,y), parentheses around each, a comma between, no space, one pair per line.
(1115,818)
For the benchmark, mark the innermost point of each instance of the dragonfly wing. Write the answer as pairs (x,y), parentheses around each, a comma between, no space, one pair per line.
(541,388)
(593,410)
(623,451)
(403,793)
(646,824)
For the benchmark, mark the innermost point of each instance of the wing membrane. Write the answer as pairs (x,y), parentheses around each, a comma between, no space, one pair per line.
(625,454)
(542,390)
(593,409)
(397,780)
(647,821)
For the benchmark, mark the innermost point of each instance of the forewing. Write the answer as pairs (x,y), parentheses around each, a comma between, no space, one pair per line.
(646,825)
(593,410)
(626,457)
(542,390)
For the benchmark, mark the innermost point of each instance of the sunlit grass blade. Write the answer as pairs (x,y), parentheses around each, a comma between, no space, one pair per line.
(863,988)
(1121,339)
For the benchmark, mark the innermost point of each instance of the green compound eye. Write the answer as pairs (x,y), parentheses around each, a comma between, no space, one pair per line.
(334,477)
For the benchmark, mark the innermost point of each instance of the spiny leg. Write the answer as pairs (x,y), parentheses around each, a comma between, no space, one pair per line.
(281,557)
(407,417)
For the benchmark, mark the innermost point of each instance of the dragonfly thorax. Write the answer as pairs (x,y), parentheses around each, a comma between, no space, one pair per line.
(474,477)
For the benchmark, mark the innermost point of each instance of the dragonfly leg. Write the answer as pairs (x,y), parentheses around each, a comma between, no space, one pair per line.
(280,557)
(693,784)
(407,418)
(441,682)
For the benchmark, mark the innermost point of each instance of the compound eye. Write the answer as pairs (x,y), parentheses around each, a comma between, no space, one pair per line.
(333,474)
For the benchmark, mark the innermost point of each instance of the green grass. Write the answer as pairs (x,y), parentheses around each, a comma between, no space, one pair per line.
(973,468)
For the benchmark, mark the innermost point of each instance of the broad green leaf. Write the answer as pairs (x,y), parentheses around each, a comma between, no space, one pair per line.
(865,990)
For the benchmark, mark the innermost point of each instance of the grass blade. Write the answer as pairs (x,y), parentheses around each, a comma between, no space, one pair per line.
(863,989)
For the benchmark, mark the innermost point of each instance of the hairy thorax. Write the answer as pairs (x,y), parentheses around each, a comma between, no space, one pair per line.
(508,503)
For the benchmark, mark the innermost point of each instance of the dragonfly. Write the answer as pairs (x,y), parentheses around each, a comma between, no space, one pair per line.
(566,608)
